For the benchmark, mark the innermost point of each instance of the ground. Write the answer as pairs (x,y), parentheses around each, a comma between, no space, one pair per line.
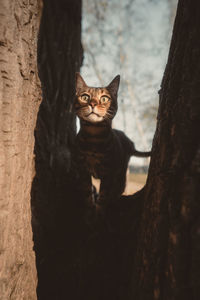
(133,184)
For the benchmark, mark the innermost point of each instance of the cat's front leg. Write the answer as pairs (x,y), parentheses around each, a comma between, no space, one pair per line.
(106,204)
(86,194)
(111,188)
(86,188)
(106,192)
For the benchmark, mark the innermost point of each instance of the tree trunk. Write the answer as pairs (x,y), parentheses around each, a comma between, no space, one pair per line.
(57,222)
(167,261)
(19,102)
(150,248)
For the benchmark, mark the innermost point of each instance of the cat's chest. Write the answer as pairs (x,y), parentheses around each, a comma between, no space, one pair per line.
(95,158)
(95,163)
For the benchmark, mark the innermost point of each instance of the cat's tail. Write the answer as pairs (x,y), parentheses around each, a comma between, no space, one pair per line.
(137,153)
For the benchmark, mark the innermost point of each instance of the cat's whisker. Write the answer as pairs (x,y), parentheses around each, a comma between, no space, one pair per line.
(108,115)
(111,113)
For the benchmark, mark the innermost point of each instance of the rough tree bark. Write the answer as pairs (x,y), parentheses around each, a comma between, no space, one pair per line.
(19,102)
(167,261)
(150,248)
(56,212)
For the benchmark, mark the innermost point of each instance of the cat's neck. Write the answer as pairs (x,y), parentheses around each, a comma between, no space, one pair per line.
(95,129)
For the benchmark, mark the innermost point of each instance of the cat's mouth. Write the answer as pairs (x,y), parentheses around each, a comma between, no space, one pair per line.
(93,113)
(93,117)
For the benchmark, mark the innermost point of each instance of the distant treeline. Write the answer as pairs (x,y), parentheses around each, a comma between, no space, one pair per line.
(138,169)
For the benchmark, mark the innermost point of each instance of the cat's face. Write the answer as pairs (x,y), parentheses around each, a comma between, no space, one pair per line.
(96,104)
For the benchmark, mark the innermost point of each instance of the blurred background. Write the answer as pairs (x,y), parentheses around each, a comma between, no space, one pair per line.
(130,38)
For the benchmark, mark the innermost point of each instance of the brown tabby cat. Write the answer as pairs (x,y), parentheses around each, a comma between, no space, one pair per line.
(103,152)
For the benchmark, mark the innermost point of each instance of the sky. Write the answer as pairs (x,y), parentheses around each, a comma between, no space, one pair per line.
(130,38)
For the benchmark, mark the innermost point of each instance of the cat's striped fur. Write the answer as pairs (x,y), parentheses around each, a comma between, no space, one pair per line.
(102,152)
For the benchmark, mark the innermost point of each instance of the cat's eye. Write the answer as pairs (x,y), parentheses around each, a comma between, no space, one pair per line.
(85,98)
(104,99)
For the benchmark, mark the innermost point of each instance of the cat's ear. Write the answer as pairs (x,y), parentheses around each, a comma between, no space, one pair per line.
(80,83)
(114,85)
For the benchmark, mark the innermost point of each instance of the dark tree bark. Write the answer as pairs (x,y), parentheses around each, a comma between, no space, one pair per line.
(149,246)
(19,102)
(57,217)
(167,261)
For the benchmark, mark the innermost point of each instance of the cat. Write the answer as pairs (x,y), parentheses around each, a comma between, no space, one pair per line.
(102,151)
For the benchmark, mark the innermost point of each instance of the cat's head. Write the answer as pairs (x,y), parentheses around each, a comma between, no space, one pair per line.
(96,104)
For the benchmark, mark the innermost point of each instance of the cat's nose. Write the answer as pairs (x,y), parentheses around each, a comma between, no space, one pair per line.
(93,103)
